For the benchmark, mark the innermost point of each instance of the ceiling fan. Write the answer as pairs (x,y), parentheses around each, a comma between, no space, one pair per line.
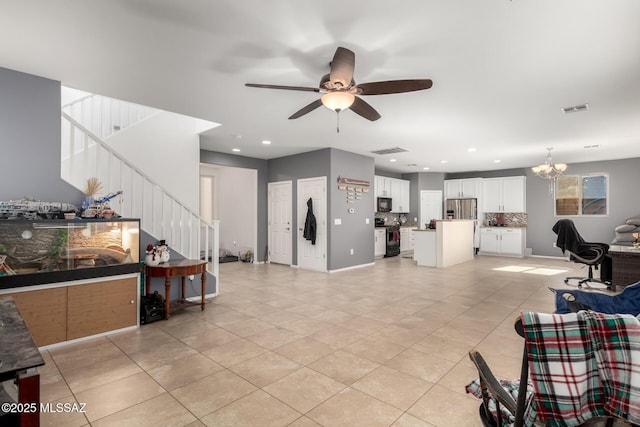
(340,90)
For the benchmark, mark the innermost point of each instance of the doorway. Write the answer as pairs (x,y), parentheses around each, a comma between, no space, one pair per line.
(310,256)
(430,206)
(230,195)
(279,222)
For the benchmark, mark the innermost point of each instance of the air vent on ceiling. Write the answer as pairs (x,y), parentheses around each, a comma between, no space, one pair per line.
(575,109)
(390,151)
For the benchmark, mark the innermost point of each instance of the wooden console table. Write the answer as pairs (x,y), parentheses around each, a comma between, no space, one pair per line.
(178,268)
(625,266)
(19,357)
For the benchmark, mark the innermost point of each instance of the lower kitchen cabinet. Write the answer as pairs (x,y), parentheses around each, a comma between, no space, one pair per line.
(71,310)
(502,241)
(406,239)
(380,239)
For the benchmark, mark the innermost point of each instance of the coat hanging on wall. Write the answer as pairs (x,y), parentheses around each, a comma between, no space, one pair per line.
(310,223)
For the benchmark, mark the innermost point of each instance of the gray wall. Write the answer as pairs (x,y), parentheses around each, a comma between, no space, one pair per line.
(422,181)
(353,233)
(624,177)
(30,138)
(261,166)
(299,166)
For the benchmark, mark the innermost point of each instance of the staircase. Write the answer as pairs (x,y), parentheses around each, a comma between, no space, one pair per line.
(86,124)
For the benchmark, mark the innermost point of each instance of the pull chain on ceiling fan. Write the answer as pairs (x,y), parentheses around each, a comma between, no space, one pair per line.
(341,91)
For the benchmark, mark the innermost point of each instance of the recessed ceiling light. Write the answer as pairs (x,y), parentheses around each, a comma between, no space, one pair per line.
(443,161)
(236,150)
(266,142)
(496,161)
(425,168)
(392,160)
(471,150)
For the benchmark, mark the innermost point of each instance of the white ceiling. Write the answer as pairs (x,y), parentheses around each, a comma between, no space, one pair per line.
(501,72)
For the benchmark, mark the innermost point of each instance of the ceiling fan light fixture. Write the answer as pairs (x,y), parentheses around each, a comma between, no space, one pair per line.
(337,101)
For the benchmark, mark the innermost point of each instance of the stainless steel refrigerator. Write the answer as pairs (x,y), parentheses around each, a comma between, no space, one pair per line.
(462,208)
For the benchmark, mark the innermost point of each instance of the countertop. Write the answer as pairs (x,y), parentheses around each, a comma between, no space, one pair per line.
(17,349)
(506,226)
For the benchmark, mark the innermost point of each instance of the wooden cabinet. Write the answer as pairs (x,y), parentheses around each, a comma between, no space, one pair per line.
(101,307)
(504,194)
(380,248)
(45,313)
(462,188)
(399,190)
(502,241)
(68,311)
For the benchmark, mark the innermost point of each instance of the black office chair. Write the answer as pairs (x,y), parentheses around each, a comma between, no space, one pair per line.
(589,253)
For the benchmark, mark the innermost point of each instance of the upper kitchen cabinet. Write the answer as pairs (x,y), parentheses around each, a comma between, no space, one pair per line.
(400,195)
(504,194)
(383,186)
(462,188)
(396,189)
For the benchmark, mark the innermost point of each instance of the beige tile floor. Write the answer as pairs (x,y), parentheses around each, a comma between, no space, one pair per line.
(384,345)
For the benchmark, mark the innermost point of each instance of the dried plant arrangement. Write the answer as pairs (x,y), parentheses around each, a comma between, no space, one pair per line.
(93,187)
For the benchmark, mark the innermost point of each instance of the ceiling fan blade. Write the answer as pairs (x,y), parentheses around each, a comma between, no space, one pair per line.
(302,88)
(394,86)
(342,66)
(301,112)
(365,110)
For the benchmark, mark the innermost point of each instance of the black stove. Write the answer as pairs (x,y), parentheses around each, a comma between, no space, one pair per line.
(393,240)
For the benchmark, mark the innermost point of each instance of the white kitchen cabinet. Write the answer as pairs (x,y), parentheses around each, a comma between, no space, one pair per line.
(462,188)
(407,241)
(504,194)
(396,189)
(380,248)
(383,186)
(502,241)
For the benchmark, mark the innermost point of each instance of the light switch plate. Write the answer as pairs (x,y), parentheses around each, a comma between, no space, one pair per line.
(337,221)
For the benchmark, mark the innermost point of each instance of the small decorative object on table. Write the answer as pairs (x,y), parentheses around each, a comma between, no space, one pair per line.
(152,258)
(163,250)
(157,254)
(636,244)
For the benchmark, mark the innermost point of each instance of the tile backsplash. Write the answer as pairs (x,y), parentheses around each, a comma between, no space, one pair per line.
(510,219)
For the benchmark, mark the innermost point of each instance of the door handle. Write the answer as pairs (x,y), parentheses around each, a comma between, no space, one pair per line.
(300,229)
(287,229)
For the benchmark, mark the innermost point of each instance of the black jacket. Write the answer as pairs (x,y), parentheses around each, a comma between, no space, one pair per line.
(310,224)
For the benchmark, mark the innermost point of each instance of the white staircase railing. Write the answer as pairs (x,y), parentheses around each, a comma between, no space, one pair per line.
(85,155)
(105,116)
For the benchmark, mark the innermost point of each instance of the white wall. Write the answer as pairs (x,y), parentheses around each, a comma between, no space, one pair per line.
(166,147)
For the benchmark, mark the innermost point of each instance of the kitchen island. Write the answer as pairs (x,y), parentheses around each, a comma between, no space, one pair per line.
(449,244)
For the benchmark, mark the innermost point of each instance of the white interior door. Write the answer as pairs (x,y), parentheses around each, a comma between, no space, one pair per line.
(280,207)
(313,257)
(430,206)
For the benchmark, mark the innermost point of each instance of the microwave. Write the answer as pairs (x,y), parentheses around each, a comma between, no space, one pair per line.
(384,204)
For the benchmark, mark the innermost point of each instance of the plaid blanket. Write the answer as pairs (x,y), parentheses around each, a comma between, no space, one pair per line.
(583,365)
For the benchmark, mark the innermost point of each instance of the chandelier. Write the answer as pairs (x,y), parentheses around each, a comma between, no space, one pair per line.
(549,170)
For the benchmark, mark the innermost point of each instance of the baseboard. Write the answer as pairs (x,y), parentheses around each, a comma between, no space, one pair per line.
(352,267)
(550,257)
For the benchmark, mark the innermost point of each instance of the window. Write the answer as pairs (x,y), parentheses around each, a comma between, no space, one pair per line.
(584,195)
